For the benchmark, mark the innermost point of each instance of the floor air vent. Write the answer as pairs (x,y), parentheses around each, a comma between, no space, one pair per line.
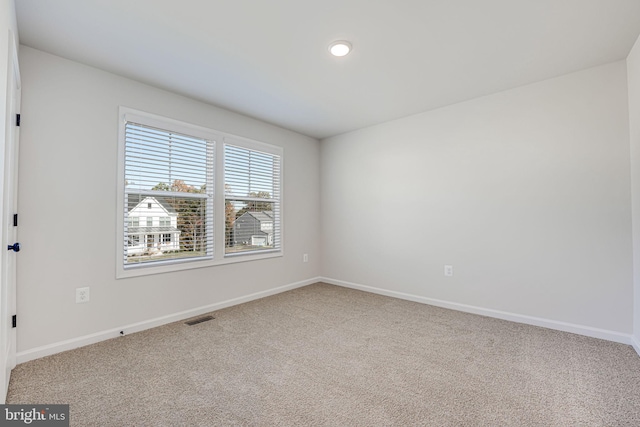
(199,320)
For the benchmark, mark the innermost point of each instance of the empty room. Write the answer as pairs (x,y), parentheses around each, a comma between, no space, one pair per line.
(336,213)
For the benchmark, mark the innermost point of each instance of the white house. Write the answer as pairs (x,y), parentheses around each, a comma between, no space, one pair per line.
(152,228)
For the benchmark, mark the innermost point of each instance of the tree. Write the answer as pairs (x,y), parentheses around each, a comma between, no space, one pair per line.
(256,206)
(229,218)
(162,186)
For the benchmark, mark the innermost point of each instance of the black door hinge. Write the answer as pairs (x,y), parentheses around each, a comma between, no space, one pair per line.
(15,220)
(14,321)
(17,119)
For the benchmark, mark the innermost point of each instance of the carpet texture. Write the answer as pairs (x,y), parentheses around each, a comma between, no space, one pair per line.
(328,356)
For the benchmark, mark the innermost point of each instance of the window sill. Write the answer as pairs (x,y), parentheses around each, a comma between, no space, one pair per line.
(160,267)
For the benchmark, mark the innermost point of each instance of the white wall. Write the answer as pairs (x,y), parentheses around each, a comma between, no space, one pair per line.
(67,196)
(633,78)
(525,192)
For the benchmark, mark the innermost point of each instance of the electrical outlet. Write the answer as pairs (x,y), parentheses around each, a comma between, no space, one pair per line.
(82,295)
(448,270)
(305,258)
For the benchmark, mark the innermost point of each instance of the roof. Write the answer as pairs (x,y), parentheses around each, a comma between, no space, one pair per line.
(134,201)
(165,205)
(265,216)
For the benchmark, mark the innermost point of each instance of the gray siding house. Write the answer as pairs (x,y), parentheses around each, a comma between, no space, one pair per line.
(254,228)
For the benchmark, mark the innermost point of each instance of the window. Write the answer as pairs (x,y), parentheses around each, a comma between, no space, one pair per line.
(185,190)
(252,200)
(168,173)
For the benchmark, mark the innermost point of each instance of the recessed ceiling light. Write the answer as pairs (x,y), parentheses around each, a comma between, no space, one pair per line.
(340,48)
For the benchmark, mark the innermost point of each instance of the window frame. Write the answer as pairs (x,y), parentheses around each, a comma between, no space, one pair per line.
(218,139)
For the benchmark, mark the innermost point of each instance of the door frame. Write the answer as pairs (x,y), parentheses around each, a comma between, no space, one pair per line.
(9,187)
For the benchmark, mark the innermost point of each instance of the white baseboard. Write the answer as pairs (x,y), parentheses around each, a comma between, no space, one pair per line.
(46,350)
(635,343)
(513,317)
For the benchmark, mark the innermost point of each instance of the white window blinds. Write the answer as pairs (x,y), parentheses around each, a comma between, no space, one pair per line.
(168,179)
(252,200)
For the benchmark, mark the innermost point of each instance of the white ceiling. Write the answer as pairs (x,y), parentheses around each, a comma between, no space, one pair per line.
(269,59)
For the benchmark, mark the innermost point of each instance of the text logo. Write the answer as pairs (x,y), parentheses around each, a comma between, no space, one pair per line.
(34,415)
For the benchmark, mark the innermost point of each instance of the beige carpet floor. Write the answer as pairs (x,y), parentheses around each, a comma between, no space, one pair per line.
(329,356)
